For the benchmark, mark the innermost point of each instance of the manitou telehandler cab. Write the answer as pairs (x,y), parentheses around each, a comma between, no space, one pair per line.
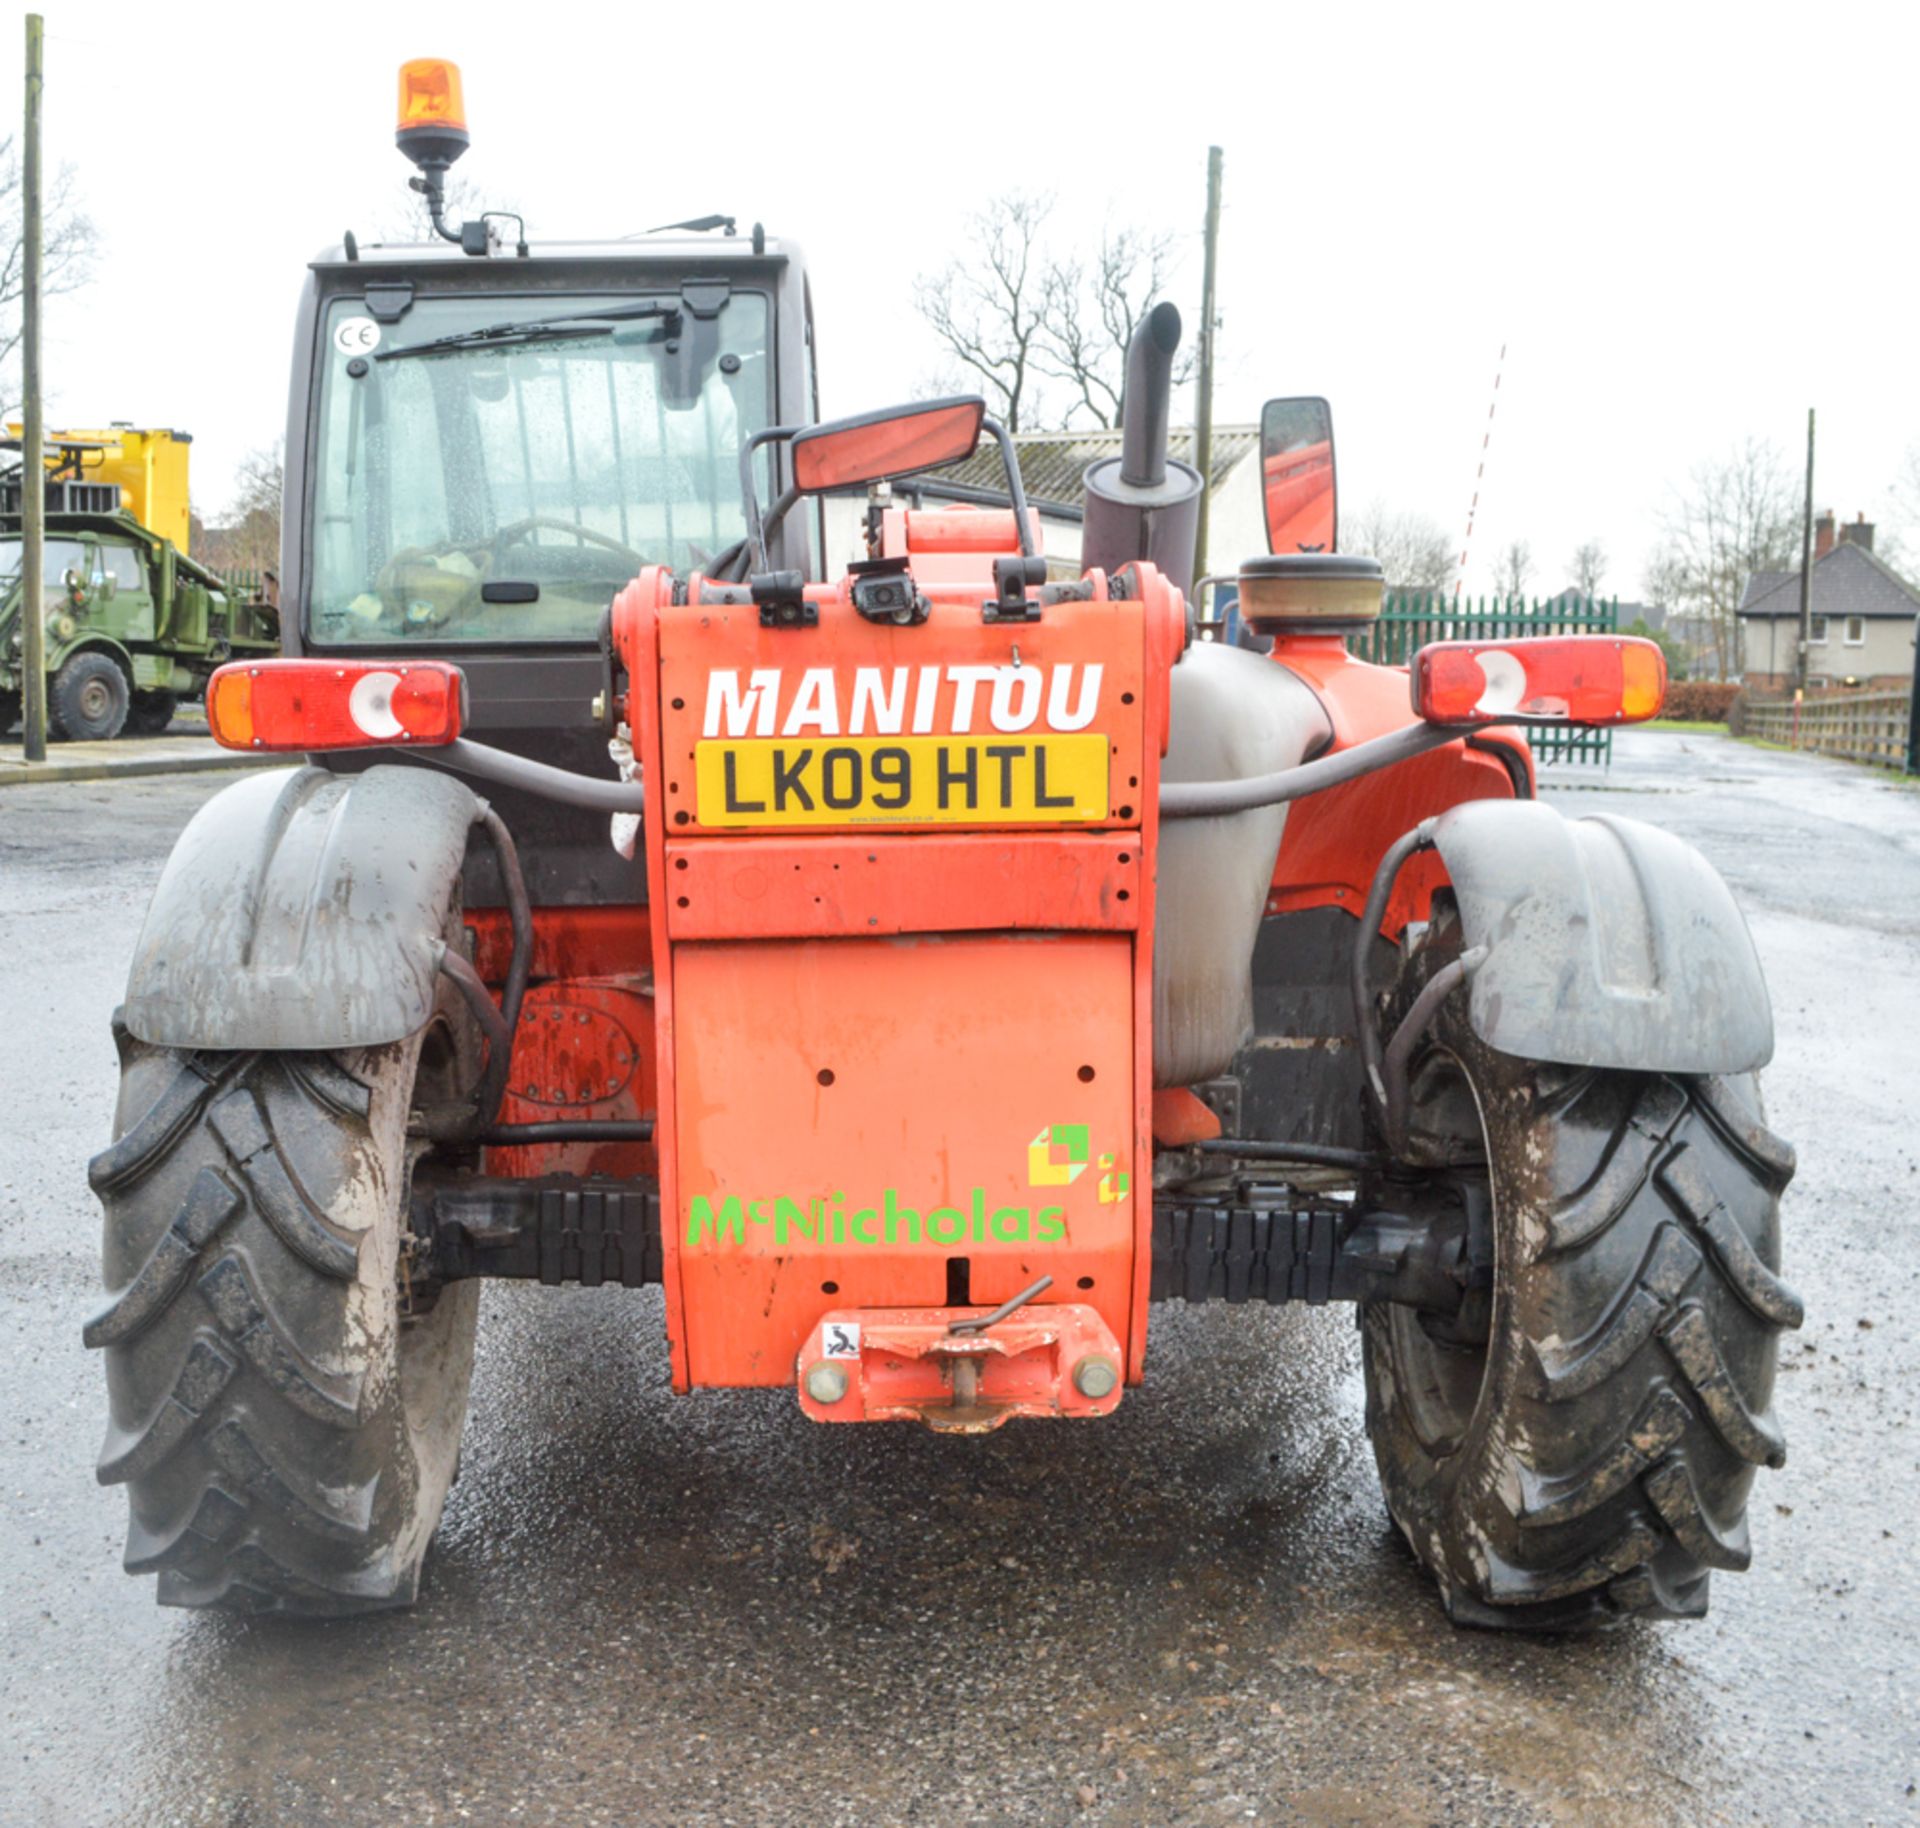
(916,966)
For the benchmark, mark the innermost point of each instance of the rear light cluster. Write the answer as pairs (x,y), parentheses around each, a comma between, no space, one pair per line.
(279,705)
(1573,679)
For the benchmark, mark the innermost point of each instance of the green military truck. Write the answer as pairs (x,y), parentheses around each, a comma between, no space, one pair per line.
(133,625)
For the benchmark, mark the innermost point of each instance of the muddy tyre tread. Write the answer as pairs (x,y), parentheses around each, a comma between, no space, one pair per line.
(1628,1402)
(262,1441)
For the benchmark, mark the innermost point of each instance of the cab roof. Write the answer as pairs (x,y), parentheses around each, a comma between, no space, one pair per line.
(680,250)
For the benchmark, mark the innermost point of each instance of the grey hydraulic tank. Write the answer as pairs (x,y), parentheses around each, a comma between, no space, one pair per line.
(1235,716)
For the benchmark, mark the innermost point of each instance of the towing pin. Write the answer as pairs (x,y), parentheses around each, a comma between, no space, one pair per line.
(826,1383)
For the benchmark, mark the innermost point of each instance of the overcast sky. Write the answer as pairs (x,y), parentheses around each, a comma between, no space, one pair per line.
(1685,223)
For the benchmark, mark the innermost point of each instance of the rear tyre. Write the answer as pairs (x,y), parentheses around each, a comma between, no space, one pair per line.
(1577,1447)
(285,1422)
(151,712)
(89,699)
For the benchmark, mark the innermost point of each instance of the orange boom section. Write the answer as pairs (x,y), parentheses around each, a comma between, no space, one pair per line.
(902,941)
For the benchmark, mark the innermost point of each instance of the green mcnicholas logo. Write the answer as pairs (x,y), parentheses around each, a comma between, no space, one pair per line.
(1055,1158)
(827,1221)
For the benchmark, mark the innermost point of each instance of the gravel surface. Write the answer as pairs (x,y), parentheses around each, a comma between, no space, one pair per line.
(648,1609)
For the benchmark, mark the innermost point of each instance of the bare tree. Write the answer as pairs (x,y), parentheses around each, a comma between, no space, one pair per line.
(1088,314)
(249,539)
(1512,569)
(68,244)
(987,309)
(1664,583)
(1665,580)
(1734,516)
(1415,551)
(1016,314)
(1589,567)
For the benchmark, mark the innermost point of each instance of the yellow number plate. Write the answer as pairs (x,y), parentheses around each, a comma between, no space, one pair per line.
(879,780)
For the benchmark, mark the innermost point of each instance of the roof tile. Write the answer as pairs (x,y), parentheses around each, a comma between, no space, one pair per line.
(1848,581)
(1053,463)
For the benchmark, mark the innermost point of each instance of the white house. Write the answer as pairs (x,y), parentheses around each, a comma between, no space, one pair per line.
(1861,621)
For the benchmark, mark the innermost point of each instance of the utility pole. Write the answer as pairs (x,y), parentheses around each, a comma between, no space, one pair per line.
(1806,580)
(33,470)
(1203,406)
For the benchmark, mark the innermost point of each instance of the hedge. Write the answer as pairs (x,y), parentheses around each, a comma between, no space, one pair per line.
(1699,701)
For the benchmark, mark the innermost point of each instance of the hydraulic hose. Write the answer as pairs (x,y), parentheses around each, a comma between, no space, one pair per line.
(540,778)
(480,1000)
(1375,911)
(1213,799)
(1406,1037)
(1313,1155)
(493,1083)
(568,1130)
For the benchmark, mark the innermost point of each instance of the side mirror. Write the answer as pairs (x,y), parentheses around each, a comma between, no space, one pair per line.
(1297,475)
(108,586)
(898,442)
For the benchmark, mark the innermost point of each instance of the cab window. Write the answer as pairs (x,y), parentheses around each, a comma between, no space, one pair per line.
(122,564)
(475,486)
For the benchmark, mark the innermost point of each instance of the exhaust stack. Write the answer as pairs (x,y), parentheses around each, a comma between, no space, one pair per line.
(1144,504)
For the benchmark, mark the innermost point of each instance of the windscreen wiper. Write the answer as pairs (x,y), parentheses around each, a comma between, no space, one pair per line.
(539,329)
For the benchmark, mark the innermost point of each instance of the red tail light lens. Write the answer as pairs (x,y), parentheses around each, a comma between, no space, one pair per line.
(1547,679)
(280,705)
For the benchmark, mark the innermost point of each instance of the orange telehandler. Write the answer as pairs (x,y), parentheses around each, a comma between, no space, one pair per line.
(918,971)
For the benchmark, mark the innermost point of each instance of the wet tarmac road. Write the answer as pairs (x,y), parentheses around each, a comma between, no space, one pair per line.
(644,1609)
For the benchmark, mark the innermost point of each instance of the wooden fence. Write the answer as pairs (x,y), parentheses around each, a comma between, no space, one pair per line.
(1858,727)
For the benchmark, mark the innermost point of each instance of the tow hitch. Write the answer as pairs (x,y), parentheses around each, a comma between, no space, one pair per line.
(960,1370)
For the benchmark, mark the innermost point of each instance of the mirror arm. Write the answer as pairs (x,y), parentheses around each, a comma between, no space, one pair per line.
(1015,488)
(749,496)
(760,526)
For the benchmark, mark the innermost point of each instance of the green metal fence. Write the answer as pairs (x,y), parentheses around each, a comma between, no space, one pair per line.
(1413,618)
(245,581)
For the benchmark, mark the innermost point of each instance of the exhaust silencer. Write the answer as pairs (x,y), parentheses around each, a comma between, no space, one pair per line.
(1144,504)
